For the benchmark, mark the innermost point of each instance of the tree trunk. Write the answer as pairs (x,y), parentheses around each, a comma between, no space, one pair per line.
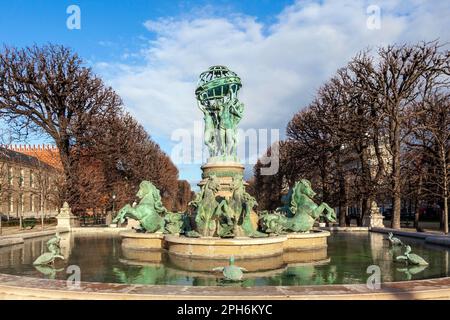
(342,201)
(64,153)
(396,179)
(445,190)
(360,215)
(445,215)
(342,215)
(416,215)
(19,212)
(366,204)
(417,204)
(366,189)
(42,211)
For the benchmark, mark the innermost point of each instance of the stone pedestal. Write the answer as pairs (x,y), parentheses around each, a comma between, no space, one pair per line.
(315,239)
(66,220)
(108,218)
(142,241)
(225,171)
(375,218)
(219,248)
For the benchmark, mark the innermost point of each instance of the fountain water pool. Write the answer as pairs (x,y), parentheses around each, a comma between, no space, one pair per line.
(101,258)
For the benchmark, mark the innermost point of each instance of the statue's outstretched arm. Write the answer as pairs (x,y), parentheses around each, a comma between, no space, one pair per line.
(237,109)
(201,107)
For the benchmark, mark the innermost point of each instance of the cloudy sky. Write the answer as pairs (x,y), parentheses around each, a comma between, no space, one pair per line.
(152,52)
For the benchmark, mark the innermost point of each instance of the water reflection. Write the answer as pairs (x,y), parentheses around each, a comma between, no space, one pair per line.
(410,271)
(143,275)
(309,274)
(101,259)
(48,271)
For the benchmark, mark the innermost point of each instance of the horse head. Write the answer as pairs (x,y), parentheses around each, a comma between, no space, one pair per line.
(304,187)
(301,189)
(145,188)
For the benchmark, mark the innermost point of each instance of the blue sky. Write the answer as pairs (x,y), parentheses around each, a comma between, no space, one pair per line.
(23,22)
(152,52)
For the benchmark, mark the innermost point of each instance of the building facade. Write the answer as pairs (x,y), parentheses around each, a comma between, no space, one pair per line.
(29,183)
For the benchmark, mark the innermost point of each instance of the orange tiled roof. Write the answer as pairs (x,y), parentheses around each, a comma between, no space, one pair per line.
(46,153)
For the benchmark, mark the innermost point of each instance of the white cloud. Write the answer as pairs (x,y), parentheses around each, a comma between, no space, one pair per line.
(281,65)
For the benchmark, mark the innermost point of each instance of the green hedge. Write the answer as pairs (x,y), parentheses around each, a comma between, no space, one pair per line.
(14,222)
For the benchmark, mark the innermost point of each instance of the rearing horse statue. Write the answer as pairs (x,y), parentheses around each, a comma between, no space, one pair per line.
(149,212)
(303,208)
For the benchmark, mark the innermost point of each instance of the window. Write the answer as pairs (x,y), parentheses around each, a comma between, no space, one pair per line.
(31,179)
(10,176)
(22,177)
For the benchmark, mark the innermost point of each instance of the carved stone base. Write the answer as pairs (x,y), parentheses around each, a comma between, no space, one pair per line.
(315,239)
(217,248)
(66,220)
(142,241)
(373,221)
(225,171)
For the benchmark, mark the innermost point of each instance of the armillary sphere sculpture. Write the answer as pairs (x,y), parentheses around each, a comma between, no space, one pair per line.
(217,98)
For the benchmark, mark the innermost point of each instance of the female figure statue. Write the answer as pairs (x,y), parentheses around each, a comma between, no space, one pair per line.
(210,128)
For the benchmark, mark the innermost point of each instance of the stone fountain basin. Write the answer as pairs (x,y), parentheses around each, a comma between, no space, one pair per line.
(290,247)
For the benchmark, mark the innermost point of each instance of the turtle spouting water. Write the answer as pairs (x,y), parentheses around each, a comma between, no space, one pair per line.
(394,241)
(412,258)
(55,252)
(231,272)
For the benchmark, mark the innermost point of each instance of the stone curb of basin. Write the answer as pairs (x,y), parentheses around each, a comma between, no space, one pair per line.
(98,230)
(16,287)
(442,240)
(346,229)
(10,242)
(18,238)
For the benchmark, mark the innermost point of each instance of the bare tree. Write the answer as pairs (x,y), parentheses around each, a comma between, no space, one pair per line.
(48,89)
(404,74)
(354,131)
(430,124)
(365,128)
